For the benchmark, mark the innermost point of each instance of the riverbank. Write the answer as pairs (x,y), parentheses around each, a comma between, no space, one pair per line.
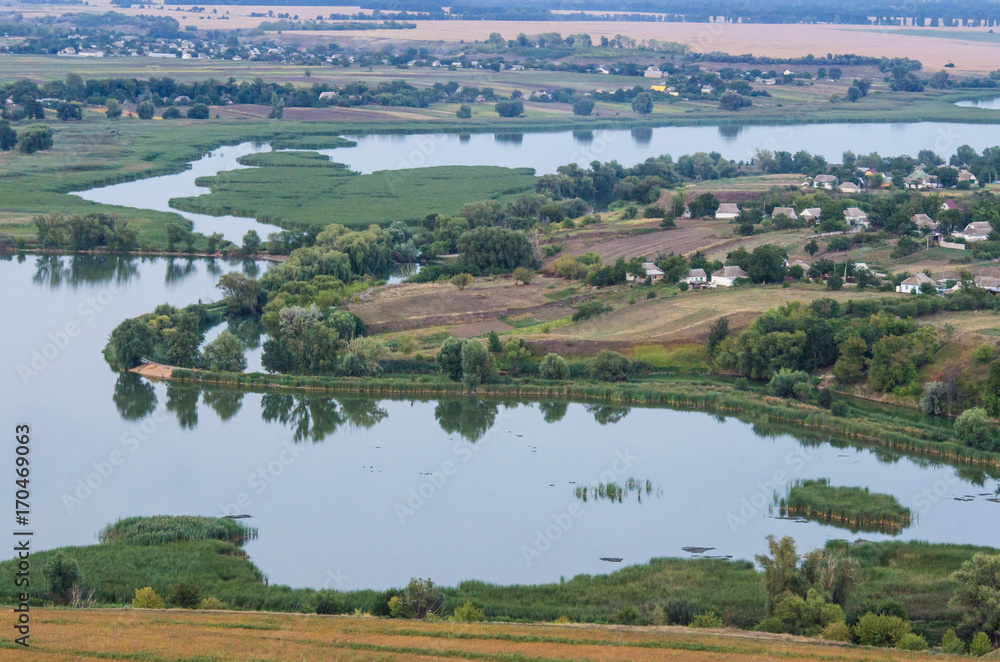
(874,429)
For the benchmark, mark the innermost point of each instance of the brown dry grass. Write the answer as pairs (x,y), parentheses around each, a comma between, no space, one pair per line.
(182,635)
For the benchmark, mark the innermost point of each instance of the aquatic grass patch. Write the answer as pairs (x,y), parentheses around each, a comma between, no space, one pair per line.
(613,492)
(854,508)
(161,529)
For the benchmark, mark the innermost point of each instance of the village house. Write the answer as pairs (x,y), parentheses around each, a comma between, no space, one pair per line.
(988,283)
(925,222)
(966,176)
(811,214)
(658,88)
(727,276)
(977,231)
(652,71)
(696,278)
(919,179)
(785,211)
(849,187)
(912,284)
(727,211)
(653,273)
(856,217)
(949,204)
(824,181)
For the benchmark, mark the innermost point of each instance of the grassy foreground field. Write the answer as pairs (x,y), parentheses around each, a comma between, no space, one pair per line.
(175,635)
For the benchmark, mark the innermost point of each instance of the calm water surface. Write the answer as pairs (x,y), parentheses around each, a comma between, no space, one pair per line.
(350,492)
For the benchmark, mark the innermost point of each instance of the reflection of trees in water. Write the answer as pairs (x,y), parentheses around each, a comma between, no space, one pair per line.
(583,136)
(251,269)
(363,412)
(643,135)
(553,411)
(55,271)
(469,417)
(134,397)
(248,329)
(730,132)
(310,416)
(178,270)
(512,138)
(225,401)
(182,399)
(213,267)
(605,414)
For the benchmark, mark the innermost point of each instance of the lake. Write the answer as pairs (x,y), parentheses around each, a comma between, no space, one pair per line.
(546,151)
(986,104)
(355,492)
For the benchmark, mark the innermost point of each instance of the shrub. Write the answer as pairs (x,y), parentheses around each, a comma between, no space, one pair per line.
(171,113)
(839,408)
(951,644)
(588,310)
(627,616)
(583,106)
(880,629)
(327,603)
(199,111)
(834,282)
(419,600)
(683,286)
(934,398)
(609,366)
(825,398)
(212,603)
(912,642)
(658,616)
(523,275)
(553,366)
(836,632)
(468,613)
(184,595)
(680,611)
(562,618)
(974,429)
(62,574)
(461,281)
(654,211)
(145,110)
(508,108)
(493,342)
(980,645)
(706,619)
(34,138)
(785,382)
(464,112)
(983,354)
(146,598)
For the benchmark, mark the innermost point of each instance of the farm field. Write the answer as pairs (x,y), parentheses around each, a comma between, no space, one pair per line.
(181,635)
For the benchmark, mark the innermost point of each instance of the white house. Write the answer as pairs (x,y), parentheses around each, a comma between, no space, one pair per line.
(697,278)
(811,214)
(653,273)
(912,284)
(977,231)
(727,211)
(855,216)
(966,176)
(653,71)
(824,181)
(726,276)
(785,211)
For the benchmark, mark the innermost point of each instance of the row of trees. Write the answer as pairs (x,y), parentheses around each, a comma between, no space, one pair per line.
(30,139)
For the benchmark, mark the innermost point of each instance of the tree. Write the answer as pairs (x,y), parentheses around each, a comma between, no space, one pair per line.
(198,111)
(225,353)
(62,574)
(495,250)
(934,399)
(643,103)
(812,247)
(583,106)
(171,113)
(185,596)
(785,383)
(514,355)
(977,594)
(277,107)
(251,243)
(478,365)
(781,573)
(243,295)
(974,429)
(718,332)
(34,138)
(834,282)
(112,109)
(509,108)
(609,366)
(145,110)
(130,342)
(553,367)
(69,110)
(8,136)
(464,112)
(767,264)
(991,389)
(449,358)
(733,101)
(891,364)
(523,275)
(175,235)
(462,281)
(419,599)
(852,360)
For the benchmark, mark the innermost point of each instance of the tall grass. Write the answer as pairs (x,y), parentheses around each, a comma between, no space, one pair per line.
(162,529)
(853,507)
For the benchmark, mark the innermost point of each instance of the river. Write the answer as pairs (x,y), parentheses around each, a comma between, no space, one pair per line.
(546,151)
(350,492)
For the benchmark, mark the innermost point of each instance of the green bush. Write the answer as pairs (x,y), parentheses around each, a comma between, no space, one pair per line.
(327,603)
(825,398)
(839,408)
(627,616)
(880,630)
(553,366)
(951,644)
(980,645)
(468,613)
(146,598)
(785,382)
(184,595)
(588,310)
(974,429)
(983,354)
(212,603)
(62,574)
(706,619)
(609,366)
(836,632)
(912,642)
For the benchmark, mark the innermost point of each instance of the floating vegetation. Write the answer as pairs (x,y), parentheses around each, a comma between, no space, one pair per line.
(854,508)
(614,492)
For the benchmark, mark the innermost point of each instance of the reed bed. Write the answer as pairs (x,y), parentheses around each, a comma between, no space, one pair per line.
(162,529)
(855,508)
(616,493)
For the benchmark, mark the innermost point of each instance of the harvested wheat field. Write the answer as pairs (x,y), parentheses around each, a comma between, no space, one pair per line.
(184,635)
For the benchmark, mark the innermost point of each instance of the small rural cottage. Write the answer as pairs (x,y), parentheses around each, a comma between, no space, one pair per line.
(727,211)
(653,273)
(912,284)
(697,278)
(785,211)
(977,231)
(726,276)
(824,181)
(855,216)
